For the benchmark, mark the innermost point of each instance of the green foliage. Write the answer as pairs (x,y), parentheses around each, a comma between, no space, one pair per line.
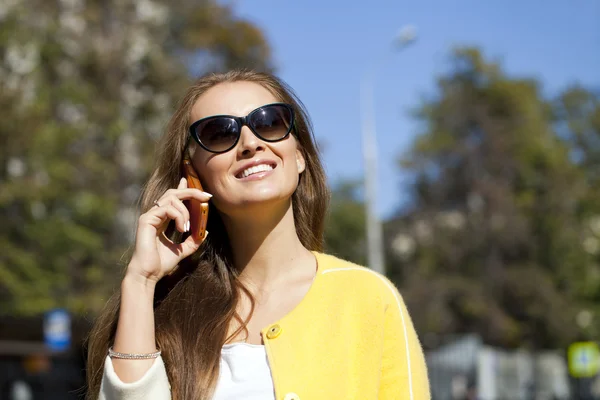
(345,228)
(504,194)
(85,89)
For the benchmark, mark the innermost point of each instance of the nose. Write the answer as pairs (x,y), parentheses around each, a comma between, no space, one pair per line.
(249,144)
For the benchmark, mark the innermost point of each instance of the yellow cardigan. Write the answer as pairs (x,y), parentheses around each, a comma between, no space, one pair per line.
(350,338)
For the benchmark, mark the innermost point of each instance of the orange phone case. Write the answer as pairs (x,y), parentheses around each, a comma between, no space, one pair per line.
(198,211)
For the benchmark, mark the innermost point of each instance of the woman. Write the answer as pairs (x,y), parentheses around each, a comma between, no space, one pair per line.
(256,311)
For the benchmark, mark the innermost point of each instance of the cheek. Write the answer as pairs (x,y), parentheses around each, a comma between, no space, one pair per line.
(291,166)
(287,151)
(212,170)
(215,184)
(213,178)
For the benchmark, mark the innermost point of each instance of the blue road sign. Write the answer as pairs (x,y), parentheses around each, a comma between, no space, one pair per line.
(57,329)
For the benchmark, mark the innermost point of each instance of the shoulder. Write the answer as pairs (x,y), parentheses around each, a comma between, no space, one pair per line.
(354,278)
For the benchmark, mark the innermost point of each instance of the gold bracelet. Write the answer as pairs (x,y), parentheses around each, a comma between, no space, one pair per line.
(129,356)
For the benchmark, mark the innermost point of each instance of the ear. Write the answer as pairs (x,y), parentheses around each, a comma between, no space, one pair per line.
(300,162)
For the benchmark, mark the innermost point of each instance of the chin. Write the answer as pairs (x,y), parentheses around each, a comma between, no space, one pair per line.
(264,198)
(259,199)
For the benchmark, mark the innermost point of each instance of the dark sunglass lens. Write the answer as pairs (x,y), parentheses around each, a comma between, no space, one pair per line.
(218,134)
(272,122)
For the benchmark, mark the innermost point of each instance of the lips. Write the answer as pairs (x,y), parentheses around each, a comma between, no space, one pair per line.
(255,167)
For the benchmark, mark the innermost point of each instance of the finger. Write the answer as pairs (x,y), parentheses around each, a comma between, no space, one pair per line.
(182,183)
(190,245)
(159,217)
(178,204)
(183,210)
(184,249)
(189,194)
(150,224)
(176,215)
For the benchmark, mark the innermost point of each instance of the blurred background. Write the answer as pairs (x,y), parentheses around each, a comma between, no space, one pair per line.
(461,140)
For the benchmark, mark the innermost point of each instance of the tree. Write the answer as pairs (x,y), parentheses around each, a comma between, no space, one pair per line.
(577,113)
(345,228)
(493,240)
(85,90)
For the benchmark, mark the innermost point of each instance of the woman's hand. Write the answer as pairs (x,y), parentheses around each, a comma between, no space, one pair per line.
(156,256)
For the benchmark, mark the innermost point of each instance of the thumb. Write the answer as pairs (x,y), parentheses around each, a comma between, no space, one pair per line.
(190,245)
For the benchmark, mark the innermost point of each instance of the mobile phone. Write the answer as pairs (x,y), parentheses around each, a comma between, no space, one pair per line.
(198,211)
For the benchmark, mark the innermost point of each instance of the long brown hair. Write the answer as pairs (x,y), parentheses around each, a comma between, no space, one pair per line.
(194,306)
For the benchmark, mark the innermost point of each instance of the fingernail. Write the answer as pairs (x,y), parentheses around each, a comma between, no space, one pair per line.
(208,194)
(187,226)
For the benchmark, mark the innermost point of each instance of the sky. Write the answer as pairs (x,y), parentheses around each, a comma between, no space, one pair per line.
(323,49)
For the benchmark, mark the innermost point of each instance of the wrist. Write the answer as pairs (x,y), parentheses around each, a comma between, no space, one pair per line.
(136,281)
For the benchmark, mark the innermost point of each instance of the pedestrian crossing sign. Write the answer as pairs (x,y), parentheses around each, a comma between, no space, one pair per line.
(584,359)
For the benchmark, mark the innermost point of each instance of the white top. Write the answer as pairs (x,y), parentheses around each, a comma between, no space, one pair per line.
(244,374)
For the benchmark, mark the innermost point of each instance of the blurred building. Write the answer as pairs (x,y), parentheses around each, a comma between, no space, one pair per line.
(30,370)
(464,368)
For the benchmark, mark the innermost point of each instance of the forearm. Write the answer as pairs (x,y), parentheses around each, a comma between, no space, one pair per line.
(135,329)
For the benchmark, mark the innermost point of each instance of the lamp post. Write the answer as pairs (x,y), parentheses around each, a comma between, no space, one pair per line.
(405,37)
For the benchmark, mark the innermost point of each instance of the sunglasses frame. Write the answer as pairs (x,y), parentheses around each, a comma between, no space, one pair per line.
(242,121)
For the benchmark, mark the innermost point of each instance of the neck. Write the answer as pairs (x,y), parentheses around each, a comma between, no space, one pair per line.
(265,246)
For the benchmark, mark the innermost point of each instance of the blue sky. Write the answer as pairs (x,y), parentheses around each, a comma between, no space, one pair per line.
(323,49)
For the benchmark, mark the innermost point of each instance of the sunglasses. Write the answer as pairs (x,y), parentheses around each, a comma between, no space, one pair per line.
(220,133)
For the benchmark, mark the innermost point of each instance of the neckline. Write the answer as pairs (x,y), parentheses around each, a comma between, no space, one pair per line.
(301,304)
(307,297)
(230,346)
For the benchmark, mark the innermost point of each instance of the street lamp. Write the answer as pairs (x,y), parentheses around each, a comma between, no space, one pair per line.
(405,37)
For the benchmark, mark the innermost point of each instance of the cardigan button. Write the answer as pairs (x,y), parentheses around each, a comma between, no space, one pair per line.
(291,396)
(273,332)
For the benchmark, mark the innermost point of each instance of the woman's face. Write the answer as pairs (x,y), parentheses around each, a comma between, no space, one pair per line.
(223,174)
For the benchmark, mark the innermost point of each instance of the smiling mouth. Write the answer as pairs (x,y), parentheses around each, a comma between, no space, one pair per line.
(255,170)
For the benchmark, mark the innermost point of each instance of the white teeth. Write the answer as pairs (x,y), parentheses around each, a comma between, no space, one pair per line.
(256,169)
